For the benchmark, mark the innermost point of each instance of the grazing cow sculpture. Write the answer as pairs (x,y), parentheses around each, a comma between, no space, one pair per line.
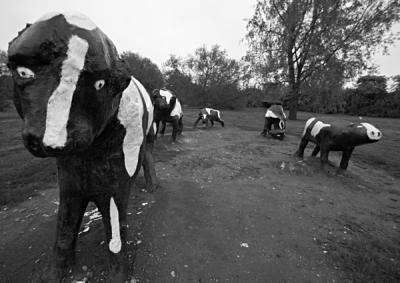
(336,137)
(167,108)
(209,114)
(80,105)
(275,116)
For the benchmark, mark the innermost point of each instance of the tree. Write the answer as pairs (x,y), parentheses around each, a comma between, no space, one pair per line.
(144,70)
(323,92)
(290,40)
(179,81)
(3,57)
(212,69)
(370,97)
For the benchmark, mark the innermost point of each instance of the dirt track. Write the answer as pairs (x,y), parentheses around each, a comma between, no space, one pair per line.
(234,207)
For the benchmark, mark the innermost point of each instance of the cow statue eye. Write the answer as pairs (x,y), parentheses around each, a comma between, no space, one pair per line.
(99,84)
(25,73)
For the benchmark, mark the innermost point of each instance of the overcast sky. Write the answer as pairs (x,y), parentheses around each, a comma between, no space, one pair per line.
(158,28)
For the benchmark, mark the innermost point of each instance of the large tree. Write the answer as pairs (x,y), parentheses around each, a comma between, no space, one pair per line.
(144,70)
(290,40)
(213,69)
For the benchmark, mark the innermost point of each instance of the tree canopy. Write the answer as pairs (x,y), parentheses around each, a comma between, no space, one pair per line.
(290,40)
(144,70)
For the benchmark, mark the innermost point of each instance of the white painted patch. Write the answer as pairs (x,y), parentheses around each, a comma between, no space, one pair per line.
(155,127)
(167,94)
(372,132)
(177,111)
(281,124)
(309,121)
(208,110)
(99,84)
(218,114)
(115,243)
(204,116)
(317,128)
(59,103)
(149,104)
(74,18)
(270,114)
(130,115)
(25,73)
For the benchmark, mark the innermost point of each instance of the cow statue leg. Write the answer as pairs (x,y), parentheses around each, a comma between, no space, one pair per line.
(302,147)
(148,164)
(180,126)
(267,127)
(345,160)
(212,123)
(195,123)
(221,122)
(164,124)
(207,120)
(175,128)
(114,214)
(315,151)
(324,155)
(70,212)
(157,122)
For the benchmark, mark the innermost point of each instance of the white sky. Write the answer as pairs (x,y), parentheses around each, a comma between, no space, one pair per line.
(158,28)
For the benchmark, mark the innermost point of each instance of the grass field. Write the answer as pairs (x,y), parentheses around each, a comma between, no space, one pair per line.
(218,181)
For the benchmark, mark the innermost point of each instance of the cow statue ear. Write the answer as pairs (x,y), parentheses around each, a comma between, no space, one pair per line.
(120,77)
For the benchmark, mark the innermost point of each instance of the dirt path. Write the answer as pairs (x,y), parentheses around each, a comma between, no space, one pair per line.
(233,207)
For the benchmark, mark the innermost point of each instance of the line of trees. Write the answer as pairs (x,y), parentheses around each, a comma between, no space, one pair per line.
(293,41)
(299,51)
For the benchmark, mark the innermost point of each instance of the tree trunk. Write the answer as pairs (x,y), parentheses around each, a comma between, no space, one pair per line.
(294,101)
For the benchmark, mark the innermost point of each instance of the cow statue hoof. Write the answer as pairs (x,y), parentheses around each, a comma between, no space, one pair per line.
(341,172)
(151,188)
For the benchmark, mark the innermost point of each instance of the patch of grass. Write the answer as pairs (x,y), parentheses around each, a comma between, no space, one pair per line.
(365,256)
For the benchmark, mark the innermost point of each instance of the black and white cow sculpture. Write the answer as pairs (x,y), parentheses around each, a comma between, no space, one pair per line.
(80,105)
(167,108)
(209,114)
(275,116)
(336,137)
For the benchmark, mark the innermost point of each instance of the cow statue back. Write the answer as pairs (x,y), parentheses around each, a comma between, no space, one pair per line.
(79,104)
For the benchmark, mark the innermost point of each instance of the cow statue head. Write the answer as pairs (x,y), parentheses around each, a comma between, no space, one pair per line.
(164,100)
(66,73)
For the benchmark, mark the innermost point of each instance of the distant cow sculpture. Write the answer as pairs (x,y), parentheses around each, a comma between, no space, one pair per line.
(167,108)
(209,114)
(80,105)
(336,137)
(275,116)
